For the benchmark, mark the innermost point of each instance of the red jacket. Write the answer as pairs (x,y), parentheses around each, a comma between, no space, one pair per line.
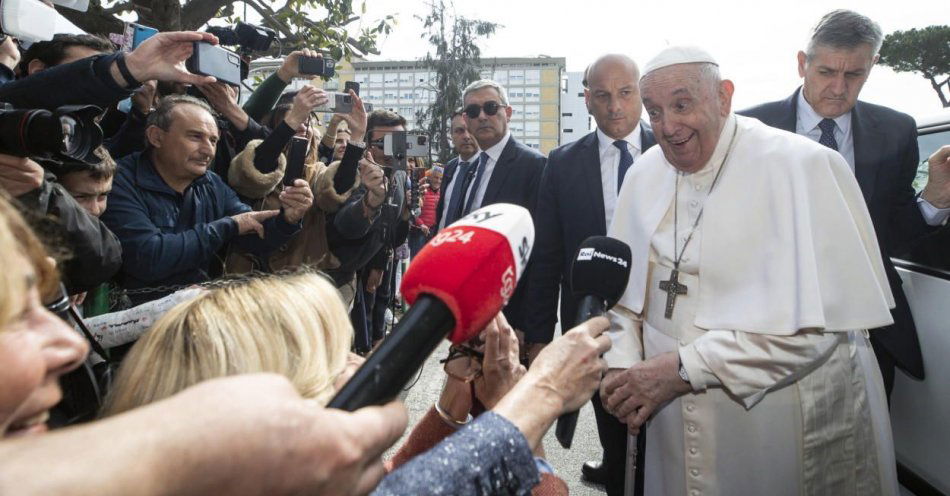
(429,203)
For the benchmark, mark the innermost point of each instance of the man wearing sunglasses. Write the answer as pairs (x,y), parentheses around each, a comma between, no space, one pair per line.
(505,171)
(577,199)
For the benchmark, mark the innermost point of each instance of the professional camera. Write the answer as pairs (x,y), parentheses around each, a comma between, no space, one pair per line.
(69,133)
(249,37)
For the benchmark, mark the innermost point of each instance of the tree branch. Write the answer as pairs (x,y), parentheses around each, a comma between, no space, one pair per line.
(197,13)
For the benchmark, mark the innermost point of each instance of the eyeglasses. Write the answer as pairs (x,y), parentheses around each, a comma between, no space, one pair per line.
(474,110)
(463,363)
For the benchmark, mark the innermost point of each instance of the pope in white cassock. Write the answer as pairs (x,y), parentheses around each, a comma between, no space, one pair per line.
(741,334)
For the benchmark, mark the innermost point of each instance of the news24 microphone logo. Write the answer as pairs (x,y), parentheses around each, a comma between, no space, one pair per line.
(589,254)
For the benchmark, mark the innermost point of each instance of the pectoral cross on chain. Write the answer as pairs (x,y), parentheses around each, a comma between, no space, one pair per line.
(672,288)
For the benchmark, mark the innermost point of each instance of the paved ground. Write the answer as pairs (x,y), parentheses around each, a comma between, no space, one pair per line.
(567,463)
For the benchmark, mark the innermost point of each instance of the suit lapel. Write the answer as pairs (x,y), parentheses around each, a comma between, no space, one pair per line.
(867,139)
(647,139)
(788,114)
(500,172)
(590,162)
(450,169)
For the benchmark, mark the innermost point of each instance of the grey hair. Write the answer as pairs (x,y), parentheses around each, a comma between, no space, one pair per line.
(161,117)
(486,83)
(845,29)
(710,75)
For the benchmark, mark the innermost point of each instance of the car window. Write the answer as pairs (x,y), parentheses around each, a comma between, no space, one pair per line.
(928,143)
(932,252)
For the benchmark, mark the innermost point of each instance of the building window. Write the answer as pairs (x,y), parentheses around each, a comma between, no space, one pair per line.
(360,78)
(568,130)
(405,79)
(500,77)
(581,94)
(532,111)
(532,128)
(567,114)
(516,78)
(390,78)
(375,78)
(532,76)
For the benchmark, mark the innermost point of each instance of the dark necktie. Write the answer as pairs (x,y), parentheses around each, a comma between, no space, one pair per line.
(473,189)
(626,160)
(827,138)
(458,190)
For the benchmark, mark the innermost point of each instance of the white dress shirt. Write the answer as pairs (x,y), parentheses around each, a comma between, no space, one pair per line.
(807,125)
(610,163)
(494,153)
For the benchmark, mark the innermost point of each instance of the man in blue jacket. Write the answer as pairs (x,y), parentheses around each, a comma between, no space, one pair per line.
(172,215)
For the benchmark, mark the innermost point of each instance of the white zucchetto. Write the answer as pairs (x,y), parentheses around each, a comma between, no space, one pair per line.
(678,55)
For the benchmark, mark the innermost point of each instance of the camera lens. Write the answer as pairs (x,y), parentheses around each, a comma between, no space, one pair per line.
(68,133)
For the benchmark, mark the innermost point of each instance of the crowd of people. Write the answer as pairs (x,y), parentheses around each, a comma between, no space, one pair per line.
(178,305)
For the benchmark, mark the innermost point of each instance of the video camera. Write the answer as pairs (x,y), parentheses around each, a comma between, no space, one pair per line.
(67,134)
(249,37)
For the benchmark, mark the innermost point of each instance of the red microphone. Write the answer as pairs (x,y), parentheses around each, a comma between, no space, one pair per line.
(456,284)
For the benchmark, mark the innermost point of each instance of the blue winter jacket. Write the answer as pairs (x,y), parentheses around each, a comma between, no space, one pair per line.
(171,238)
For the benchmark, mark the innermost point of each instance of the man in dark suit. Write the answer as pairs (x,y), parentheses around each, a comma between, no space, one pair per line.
(467,150)
(504,171)
(578,194)
(880,144)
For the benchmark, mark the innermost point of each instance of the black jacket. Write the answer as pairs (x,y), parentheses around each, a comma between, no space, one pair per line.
(515,179)
(885,164)
(94,251)
(570,209)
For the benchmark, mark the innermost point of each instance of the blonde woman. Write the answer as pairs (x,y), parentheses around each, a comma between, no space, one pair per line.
(297,326)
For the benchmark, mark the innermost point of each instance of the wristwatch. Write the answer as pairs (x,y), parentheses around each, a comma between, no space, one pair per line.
(683,374)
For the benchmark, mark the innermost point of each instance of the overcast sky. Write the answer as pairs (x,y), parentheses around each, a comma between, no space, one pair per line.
(755,42)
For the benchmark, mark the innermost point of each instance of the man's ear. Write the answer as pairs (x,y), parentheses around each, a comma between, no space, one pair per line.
(508,111)
(155,135)
(35,65)
(802,60)
(726,89)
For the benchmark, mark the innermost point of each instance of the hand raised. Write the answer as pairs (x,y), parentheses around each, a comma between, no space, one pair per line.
(296,200)
(162,57)
(501,369)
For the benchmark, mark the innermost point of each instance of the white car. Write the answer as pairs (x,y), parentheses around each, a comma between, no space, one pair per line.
(920,410)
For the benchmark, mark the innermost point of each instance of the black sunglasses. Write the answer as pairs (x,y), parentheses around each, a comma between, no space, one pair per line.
(474,110)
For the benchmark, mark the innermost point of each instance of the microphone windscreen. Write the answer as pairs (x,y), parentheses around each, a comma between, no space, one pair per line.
(601,268)
(473,265)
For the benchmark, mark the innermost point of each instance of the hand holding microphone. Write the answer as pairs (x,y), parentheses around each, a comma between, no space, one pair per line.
(456,284)
(599,278)
(561,379)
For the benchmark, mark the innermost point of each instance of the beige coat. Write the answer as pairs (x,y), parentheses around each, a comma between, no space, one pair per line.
(309,246)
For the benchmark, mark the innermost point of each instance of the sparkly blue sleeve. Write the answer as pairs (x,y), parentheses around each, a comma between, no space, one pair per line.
(488,456)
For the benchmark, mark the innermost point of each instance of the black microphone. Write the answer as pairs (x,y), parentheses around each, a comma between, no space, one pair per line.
(599,277)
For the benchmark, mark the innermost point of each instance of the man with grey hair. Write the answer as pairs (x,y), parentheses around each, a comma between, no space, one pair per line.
(578,199)
(505,170)
(173,215)
(880,146)
(754,274)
